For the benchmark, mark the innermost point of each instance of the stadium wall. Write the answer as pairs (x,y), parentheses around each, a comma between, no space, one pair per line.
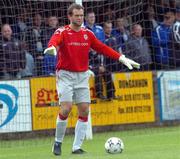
(142,102)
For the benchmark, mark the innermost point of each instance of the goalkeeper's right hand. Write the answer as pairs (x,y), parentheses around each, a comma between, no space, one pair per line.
(51,51)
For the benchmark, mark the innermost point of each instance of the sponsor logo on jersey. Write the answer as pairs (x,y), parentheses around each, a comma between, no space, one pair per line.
(77,44)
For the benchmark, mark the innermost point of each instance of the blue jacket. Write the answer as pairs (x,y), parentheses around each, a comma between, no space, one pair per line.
(95,60)
(98,31)
(111,64)
(160,41)
(49,64)
(120,38)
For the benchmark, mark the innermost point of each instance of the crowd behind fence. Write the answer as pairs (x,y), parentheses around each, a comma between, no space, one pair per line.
(147,32)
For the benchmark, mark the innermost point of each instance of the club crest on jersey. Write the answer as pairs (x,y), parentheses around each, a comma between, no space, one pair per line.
(85,36)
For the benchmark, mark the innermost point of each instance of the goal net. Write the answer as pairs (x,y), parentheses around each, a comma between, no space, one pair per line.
(147,31)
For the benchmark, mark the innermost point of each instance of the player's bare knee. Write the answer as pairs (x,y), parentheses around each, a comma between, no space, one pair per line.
(84,112)
(65,111)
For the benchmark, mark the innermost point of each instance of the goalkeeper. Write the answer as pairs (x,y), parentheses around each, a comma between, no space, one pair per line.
(73,43)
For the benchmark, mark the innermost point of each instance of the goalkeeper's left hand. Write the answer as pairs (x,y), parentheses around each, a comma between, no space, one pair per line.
(51,51)
(128,62)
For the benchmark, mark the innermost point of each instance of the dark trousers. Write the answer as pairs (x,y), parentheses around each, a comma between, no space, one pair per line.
(107,77)
(39,67)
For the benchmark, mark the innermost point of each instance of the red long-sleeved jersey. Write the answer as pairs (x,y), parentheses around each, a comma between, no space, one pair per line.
(73,53)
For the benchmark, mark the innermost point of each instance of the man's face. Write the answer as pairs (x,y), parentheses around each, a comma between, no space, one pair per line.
(169,18)
(108,28)
(137,31)
(91,18)
(77,17)
(120,23)
(37,20)
(6,32)
(53,21)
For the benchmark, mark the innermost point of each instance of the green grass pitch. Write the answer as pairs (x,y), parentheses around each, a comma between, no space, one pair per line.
(148,143)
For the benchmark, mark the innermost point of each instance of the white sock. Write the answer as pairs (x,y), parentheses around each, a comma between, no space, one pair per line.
(60,129)
(80,132)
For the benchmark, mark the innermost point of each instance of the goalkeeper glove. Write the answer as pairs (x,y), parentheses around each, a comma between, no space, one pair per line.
(128,62)
(51,51)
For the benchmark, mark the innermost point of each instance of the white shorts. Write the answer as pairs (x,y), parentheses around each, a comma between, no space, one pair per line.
(73,86)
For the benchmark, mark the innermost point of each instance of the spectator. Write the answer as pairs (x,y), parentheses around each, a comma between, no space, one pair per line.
(23,22)
(126,18)
(160,41)
(160,8)
(150,22)
(2,59)
(34,41)
(47,32)
(49,60)
(121,33)
(110,64)
(13,54)
(28,71)
(90,24)
(97,60)
(175,41)
(137,48)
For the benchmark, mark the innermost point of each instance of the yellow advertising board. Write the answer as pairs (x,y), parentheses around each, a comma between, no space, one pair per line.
(44,103)
(134,104)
